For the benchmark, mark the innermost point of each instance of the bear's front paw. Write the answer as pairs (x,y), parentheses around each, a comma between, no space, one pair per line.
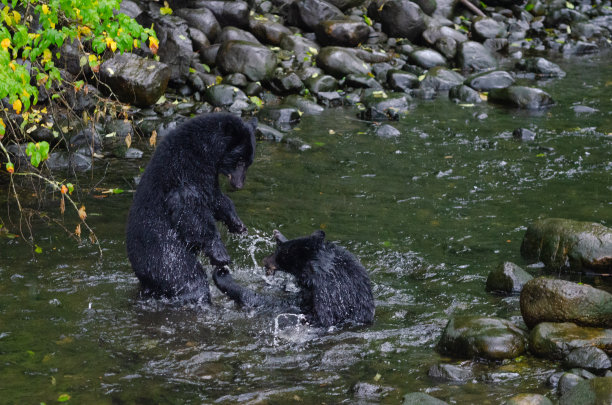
(220,275)
(237,227)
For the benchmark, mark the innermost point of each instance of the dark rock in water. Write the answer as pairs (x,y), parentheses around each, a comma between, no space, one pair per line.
(313,12)
(234,13)
(387,131)
(299,45)
(321,83)
(208,55)
(135,80)
(549,300)
(70,58)
(541,67)
(364,390)
(589,358)
(236,80)
(567,382)
(175,47)
(521,97)
(114,133)
(268,133)
(433,34)
(428,6)
(528,399)
(463,93)
(133,153)
(340,62)
(255,61)
(236,34)
(381,105)
(286,83)
(557,340)
(480,337)
(450,372)
(579,48)
(72,161)
(486,81)
(198,39)
(305,105)
(447,47)
(346,4)
(86,99)
(440,79)
(473,56)
(399,18)
(496,44)
(281,117)
(589,392)
(268,31)
(427,58)
(342,32)
(330,98)
(420,398)
(223,95)
(523,134)
(362,81)
(400,80)
(202,19)
(507,278)
(485,28)
(563,243)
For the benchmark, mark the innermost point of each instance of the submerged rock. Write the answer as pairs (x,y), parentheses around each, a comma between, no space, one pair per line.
(135,80)
(473,56)
(223,95)
(507,278)
(521,97)
(420,398)
(528,399)
(440,79)
(549,300)
(381,105)
(450,372)
(589,358)
(557,340)
(463,93)
(541,67)
(489,338)
(589,392)
(563,244)
(486,81)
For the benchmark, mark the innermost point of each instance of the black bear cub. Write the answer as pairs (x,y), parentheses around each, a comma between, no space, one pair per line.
(178,201)
(335,287)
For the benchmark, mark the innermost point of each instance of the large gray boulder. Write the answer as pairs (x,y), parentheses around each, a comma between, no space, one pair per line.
(440,78)
(596,391)
(234,13)
(135,80)
(202,19)
(557,340)
(521,97)
(473,56)
(420,398)
(550,300)
(268,31)
(528,399)
(339,62)
(399,18)
(255,61)
(563,244)
(481,337)
(313,12)
(497,79)
(342,32)
(507,278)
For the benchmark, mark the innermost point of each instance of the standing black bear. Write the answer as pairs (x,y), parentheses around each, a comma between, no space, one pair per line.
(335,287)
(178,201)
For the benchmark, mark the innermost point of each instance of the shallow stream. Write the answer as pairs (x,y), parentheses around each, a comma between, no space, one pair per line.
(429,214)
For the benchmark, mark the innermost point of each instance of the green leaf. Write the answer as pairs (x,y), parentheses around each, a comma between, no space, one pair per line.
(257,101)
(38,249)
(529,7)
(206,67)
(569,5)
(63,398)
(367,20)
(117,191)
(165,11)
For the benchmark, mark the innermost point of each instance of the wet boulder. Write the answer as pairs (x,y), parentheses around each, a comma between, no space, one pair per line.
(135,80)
(342,32)
(473,56)
(484,28)
(563,243)
(305,105)
(497,79)
(346,4)
(567,382)
(447,47)
(399,18)
(77,162)
(420,398)
(589,392)
(441,79)
(523,134)
(281,117)
(313,12)
(255,61)
(267,133)
(321,83)
(362,81)
(426,58)
(236,34)
(557,340)
(285,83)
(382,105)
(428,6)
(550,300)
(175,47)
(482,337)
(589,358)
(450,372)
(340,62)
(202,19)
(234,13)
(387,131)
(299,45)
(521,97)
(528,399)
(465,94)
(507,278)
(400,80)
(541,67)
(433,34)
(268,31)
(224,95)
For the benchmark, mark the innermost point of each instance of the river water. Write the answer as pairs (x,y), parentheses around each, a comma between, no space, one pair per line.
(428,213)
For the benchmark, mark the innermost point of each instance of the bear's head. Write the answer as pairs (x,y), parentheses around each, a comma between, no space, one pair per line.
(292,256)
(240,151)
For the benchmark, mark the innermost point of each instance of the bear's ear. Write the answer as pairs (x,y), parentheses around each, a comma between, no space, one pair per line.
(318,237)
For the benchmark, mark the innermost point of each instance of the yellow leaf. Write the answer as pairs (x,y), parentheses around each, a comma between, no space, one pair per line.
(153,138)
(77,230)
(153,45)
(16,17)
(111,44)
(82,213)
(128,140)
(6,43)
(12,65)
(45,9)
(17,106)
(51,24)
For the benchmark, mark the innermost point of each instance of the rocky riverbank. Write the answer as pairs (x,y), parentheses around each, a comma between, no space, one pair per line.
(282,59)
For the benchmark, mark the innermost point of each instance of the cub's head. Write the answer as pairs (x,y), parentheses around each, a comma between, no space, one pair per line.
(293,255)
(240,151)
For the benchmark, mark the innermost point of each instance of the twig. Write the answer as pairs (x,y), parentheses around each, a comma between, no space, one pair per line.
(472,8)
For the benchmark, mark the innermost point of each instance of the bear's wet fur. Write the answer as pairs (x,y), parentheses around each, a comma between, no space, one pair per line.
(334,286)
(178,202)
